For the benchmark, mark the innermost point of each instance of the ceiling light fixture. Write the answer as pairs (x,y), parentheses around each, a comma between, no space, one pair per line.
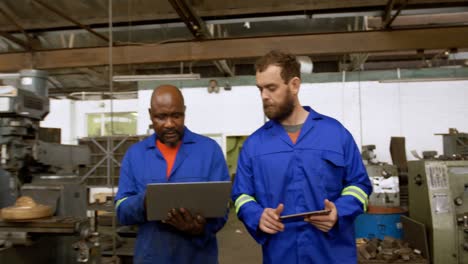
(4,76)
(409,80)
(156,77)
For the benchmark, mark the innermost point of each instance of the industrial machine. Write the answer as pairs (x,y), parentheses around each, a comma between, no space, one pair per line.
(384,178)
(382,218)
(438,198)
(45,171)
(455,144)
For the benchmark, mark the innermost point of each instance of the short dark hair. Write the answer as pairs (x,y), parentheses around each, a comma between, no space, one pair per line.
(288,63)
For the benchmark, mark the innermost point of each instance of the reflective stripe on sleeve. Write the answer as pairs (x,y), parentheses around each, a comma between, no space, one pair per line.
(358,193)
(119,202)
(241,200)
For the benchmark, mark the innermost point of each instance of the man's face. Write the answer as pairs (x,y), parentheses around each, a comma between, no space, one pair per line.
(168,115)
(277,98)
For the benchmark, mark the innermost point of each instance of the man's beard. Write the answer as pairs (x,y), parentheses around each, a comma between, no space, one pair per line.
(281,111)
(173,141)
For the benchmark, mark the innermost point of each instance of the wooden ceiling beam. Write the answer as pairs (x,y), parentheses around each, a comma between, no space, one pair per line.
(310,44)
(388,22)
(199,30)
(161,11)
(387,15)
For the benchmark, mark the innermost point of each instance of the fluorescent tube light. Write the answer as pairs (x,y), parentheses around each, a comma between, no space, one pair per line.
(444,79)
(157,77)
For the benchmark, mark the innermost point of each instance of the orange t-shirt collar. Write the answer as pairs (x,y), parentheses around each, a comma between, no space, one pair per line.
(169,154)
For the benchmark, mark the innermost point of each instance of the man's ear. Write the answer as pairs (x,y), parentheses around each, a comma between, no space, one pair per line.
(149,112)
(295,84)
(185,108)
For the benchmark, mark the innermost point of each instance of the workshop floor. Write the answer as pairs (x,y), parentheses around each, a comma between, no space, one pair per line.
(236,245)
(234,242)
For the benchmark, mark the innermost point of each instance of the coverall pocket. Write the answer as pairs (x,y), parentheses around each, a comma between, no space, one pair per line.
(332,171)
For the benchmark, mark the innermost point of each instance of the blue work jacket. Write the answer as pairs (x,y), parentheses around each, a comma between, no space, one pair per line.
(324,163)
(199,159)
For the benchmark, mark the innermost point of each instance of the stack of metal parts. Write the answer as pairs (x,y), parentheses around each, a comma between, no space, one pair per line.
(44,171)
(388,250)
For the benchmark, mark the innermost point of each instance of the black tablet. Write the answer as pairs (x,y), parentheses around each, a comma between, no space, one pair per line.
(305,214)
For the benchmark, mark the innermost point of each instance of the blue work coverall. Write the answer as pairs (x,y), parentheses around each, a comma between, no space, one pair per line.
(325,163)
(199,159)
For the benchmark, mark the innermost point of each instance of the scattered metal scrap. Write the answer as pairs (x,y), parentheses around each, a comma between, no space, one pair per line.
(388,250)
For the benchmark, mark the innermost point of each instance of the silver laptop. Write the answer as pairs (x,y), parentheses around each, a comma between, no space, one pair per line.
(209,199)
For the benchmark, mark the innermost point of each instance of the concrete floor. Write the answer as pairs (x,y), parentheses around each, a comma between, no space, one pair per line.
(236,245)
